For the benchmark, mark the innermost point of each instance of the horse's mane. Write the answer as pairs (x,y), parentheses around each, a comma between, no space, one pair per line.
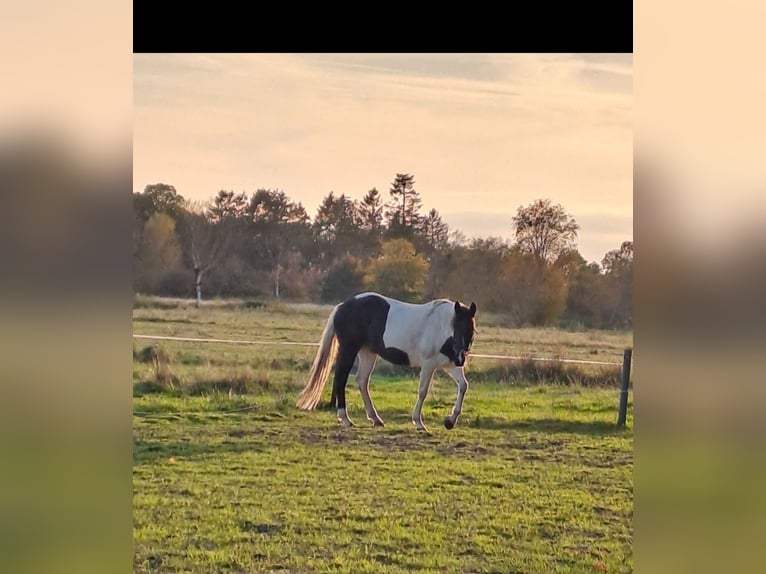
(436,303)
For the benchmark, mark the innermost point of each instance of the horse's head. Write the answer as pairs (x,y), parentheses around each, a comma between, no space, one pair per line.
(463,326)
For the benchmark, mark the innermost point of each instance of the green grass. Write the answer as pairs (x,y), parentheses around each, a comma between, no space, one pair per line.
(534,478)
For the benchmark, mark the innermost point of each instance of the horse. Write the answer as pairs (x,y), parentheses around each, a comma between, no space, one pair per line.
(434,335)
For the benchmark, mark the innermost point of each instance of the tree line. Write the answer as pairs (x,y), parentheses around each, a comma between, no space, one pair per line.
(266,245)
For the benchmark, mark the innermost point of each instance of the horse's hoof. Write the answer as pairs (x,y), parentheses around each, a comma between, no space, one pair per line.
(378,423)
(449,423)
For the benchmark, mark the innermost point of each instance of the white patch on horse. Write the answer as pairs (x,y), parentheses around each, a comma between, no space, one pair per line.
(407,329)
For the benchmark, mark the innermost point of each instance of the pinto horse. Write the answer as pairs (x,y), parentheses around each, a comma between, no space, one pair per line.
(431,336)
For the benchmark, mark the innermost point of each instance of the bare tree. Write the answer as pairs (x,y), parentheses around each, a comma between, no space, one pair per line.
(205,240)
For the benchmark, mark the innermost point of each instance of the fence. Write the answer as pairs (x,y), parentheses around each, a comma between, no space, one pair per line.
(624,377)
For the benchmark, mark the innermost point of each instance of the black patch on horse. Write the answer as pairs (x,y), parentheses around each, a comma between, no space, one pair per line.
(448,349)
(360,323)
(395,356)
(463,326)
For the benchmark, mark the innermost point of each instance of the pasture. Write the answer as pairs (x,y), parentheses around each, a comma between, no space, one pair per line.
(229,476)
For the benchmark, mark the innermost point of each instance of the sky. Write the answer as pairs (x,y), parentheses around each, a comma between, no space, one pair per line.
(483,134)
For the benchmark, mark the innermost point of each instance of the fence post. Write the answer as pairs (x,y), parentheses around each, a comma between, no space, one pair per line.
(623,414)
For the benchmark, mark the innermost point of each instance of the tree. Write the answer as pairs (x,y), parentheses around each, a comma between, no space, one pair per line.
(157,198)
(435,231)
(205,239)
(457,239)
(279,226)
(587,296)
(469,271)
(544,229)
(404,206)
(158,252)
(369,218)
(570,262)
(344,279)
(370,211)
(227,204)
(493,245)
(399,272)
(298,281)
(534,291)
(583,281)
(335,226)
(619,261)
(335,216)
(501,279)
(138,229)
(618,271)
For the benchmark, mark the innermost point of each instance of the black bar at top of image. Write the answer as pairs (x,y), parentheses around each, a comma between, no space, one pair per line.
(171,27)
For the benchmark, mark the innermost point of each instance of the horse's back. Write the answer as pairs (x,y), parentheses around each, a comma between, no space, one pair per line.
(403,306)
(384,324)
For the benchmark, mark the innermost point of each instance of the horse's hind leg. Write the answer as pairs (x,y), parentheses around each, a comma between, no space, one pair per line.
(367,360)
(346,357)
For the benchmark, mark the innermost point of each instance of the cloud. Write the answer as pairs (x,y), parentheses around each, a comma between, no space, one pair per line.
(476,130)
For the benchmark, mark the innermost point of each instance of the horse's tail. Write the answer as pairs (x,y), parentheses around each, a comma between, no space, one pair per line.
(320,370)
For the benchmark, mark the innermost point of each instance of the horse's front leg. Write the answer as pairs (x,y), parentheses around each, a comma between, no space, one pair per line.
(426,374)
(458,375)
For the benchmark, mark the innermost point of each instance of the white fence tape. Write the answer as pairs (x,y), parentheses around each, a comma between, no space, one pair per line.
(255,342)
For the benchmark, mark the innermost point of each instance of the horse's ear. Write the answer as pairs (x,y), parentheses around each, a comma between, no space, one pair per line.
(457,306)
(473,309)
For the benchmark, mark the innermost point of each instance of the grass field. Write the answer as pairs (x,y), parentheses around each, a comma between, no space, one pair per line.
(230,477)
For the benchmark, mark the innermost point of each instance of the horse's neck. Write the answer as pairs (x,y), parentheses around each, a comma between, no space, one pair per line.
(441,315)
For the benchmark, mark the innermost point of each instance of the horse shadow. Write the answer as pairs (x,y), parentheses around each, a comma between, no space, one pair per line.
(396,417)
(152,451)
(548,425)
